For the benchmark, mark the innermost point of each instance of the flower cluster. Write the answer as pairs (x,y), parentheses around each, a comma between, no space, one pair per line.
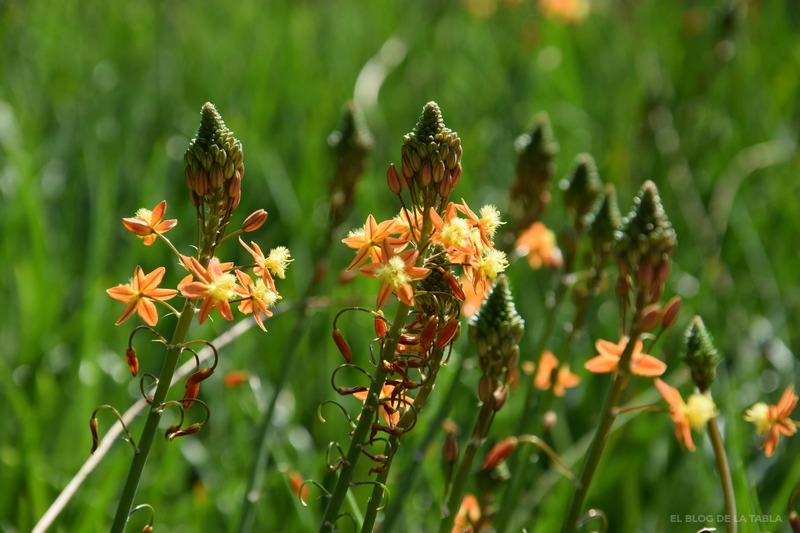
(216,284)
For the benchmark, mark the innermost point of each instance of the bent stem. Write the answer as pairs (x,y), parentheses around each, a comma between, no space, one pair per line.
(406,421)
(365,422)
(600,438)
(153,418)
(479,432)
(724,474)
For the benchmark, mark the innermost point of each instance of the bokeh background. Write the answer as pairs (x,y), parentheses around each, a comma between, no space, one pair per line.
(98,101)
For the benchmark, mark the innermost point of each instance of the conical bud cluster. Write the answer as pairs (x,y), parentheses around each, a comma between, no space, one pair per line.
(581,190)
(530,193)
(604,222)
(214,167)
(701,356)
(646,242)
(431,156)
(496,329)
(351,142)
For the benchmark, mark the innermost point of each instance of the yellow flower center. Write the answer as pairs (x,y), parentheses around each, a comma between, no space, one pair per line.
(490,218)
(492,263)
(700,408)
(393,273)
(758,414)
(264,294)
(146,215)
(455,233)
(277,260)
(222,288)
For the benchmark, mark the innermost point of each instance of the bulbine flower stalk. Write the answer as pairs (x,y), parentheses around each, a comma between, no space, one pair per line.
(644,246)
(413,256)
(214,171)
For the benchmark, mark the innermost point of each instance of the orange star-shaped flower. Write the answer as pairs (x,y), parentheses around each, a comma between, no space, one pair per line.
(391,405)
(607,360)
(694,413)
(258,298)
(149,224)
(538,244)
(215,286)
(565,379)
(140,293)
(368,240)
(774,419)
(273,264)
(396,271)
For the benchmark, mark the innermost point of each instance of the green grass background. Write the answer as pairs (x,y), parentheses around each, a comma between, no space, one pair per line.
(98,101)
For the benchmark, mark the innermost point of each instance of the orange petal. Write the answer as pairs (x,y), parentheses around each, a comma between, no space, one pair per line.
(147,310)
(647,366)
(122,293)
(601,364)
(128,312)
(158,212)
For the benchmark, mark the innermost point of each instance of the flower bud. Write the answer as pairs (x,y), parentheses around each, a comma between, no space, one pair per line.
(499,453)
(194,428)
(671,312)
(393,180)
(254,221)
(93,428)
(450,449)
(133,362)
(581,190)
(342,345)
(701,356)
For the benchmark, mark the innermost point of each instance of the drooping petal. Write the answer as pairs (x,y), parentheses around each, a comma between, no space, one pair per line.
(601,364)
(647,366)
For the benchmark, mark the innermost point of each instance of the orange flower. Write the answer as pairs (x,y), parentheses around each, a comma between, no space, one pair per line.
(486,224)
(469,514)
(368,240)
(607,360)
(538,244)
(568,11)
(215,286)
(474,296)
(774,419)
(390,408)
(140,293)
(267,266)
(258,298)
(396,271)
(565,379)
(148,224)
(698,410)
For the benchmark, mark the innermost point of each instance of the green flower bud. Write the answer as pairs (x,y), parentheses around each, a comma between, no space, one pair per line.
(496,329)
(646,242)
(351,142)
(604,222)
(581,190)
(701,356)
(431,155)
(530,192)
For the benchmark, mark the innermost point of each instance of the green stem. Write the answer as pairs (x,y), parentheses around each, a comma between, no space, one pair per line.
(365,422)
(724,474)
(479,432)
(406,421)
(408,477)
(600,439)
(153,418)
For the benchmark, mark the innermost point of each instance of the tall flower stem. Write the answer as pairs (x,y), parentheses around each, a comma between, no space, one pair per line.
(365,422)
(478,436)
(600,438)
(153,418)
(724,474)
(405,422)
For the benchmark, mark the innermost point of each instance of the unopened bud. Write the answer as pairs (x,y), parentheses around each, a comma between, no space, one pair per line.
(380,325)
(499,453)
(95,439)
(133,362)
(428,333)
(450,449)
(485,389)
(393,179)
(193,386)
(701,357)
(500,396)
(342,345)
(194,428)
(794,521)
(651,316)
(235,378)
(671,312)
(254,221)
(549,421)
(449,333)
